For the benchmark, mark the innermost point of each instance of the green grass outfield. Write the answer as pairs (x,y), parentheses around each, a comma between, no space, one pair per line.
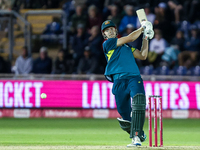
(80,133)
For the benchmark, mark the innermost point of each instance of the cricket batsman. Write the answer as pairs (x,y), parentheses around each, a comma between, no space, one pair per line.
(128,85)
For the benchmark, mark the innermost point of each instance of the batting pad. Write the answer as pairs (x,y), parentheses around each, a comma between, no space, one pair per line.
(138,115)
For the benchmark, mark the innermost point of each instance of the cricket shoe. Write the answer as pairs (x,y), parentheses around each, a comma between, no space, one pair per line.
(143,138)
(124,124)
(135,142)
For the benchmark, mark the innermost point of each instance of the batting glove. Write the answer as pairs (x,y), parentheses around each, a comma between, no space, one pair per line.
(148,34)
(147,25)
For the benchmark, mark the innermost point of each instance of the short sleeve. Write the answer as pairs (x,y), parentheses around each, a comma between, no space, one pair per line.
(110,44)
(133,49)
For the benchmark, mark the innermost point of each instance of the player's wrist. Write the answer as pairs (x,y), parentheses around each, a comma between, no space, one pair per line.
(145,37)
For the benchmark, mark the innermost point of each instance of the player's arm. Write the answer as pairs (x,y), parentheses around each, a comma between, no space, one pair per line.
(142,55)
(130,38)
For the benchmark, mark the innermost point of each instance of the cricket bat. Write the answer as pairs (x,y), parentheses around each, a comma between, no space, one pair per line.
(141,15)
(148,26)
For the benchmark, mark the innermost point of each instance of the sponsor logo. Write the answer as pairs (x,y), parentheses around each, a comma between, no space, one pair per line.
(100,113)
(181,114)
(1,114)
(61,113)
(21,113)
(107,22)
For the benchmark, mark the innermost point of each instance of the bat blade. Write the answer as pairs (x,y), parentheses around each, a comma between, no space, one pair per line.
(141,15)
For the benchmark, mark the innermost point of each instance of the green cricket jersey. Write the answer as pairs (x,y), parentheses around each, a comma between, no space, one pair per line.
(120,60)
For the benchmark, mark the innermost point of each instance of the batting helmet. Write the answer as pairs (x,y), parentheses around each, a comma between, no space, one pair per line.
(106,24)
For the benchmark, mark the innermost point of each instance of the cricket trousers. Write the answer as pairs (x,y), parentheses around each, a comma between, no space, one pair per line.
(124,89)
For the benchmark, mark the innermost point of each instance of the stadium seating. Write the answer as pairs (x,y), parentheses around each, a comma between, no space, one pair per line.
(164,70)
(147,70)
(196,71)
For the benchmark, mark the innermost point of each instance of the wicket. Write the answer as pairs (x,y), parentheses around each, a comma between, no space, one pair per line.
(155,120)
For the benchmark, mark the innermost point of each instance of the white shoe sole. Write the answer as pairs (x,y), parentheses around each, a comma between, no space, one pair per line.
(134,145)
(122,120)
(135,142)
